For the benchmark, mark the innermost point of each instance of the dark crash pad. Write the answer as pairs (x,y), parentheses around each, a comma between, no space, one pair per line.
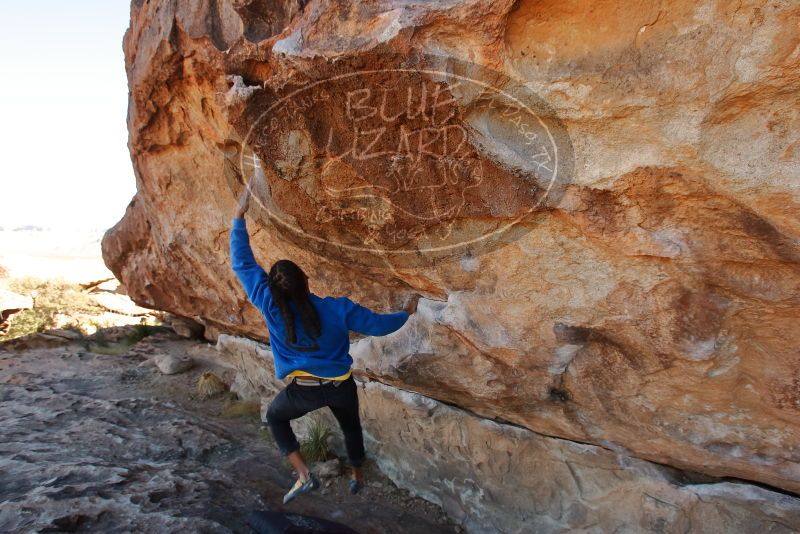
(264,522)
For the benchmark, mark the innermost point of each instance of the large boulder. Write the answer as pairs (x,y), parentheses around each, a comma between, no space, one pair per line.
(599,201)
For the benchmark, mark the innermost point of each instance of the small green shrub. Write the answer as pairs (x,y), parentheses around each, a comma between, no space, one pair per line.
(315,447)
(49,298)
(30,322)
(75,327)
(141,331)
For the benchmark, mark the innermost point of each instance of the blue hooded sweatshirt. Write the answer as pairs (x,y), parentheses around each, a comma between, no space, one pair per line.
(328,355)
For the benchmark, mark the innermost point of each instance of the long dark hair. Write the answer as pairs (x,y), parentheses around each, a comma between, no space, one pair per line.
(288,283)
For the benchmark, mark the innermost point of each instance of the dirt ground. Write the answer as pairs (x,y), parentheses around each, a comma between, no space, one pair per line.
(98,442)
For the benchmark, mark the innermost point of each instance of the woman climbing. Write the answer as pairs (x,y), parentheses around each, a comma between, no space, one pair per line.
(310,345)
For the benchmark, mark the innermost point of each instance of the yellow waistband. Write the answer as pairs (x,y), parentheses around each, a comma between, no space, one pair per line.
(300,373)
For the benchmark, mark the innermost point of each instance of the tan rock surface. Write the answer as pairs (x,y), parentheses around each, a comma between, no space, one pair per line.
(650,309)
(495,477)
(119,304)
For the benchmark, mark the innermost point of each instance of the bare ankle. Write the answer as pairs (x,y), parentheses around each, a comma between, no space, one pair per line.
(358,474)
(296,459)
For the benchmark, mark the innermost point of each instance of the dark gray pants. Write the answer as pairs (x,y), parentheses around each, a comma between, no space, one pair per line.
(295,401)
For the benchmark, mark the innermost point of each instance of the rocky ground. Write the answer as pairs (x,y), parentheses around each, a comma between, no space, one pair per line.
(97,441)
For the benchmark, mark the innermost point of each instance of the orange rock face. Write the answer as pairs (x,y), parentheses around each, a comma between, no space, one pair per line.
(599,201)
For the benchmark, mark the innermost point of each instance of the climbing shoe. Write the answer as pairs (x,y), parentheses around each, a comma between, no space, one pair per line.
(355,486)
(301,487)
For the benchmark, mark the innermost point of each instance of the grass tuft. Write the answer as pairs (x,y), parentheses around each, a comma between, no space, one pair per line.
(141,331)
(210,385)
(50,297)
(315,447)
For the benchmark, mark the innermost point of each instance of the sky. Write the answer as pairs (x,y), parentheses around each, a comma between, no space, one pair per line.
(63,102)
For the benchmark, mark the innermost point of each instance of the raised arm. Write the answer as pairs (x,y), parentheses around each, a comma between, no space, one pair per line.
(367,322)
(250,274)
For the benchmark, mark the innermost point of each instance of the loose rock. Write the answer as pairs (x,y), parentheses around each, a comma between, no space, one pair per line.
(169,364)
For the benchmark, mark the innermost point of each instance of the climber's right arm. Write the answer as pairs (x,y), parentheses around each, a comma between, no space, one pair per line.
(250,274)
